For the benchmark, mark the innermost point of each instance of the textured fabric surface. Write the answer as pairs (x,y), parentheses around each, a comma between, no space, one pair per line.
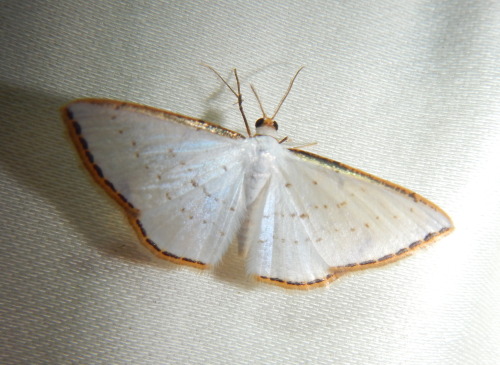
(408,91)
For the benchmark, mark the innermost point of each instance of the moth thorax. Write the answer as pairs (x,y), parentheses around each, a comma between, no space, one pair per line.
(266,127)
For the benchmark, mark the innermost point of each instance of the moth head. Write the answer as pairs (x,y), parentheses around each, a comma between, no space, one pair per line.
(266,126)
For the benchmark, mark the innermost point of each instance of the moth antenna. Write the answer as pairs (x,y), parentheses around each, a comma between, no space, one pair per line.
(258,101)
(236,93)
(240,103)
(286,93)
(306,145)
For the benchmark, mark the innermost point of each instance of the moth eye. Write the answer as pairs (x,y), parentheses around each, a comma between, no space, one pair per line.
(275,125)
(259,122)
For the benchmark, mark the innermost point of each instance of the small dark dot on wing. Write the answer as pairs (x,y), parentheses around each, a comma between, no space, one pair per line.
(367,262)
(84,143)
(76,125)
(415,244)
(402,251)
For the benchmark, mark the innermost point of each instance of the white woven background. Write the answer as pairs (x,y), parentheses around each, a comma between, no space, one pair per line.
(409,91)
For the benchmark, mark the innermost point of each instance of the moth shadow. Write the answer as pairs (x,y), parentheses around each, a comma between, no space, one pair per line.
(233,271)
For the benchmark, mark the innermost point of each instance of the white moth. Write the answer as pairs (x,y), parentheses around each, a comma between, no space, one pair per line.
(190,188)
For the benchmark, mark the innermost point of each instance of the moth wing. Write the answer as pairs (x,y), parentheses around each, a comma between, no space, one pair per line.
(178,178)
(322,218)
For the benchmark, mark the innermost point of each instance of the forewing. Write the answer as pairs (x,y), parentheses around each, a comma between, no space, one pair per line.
(178,178)
(323,218)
